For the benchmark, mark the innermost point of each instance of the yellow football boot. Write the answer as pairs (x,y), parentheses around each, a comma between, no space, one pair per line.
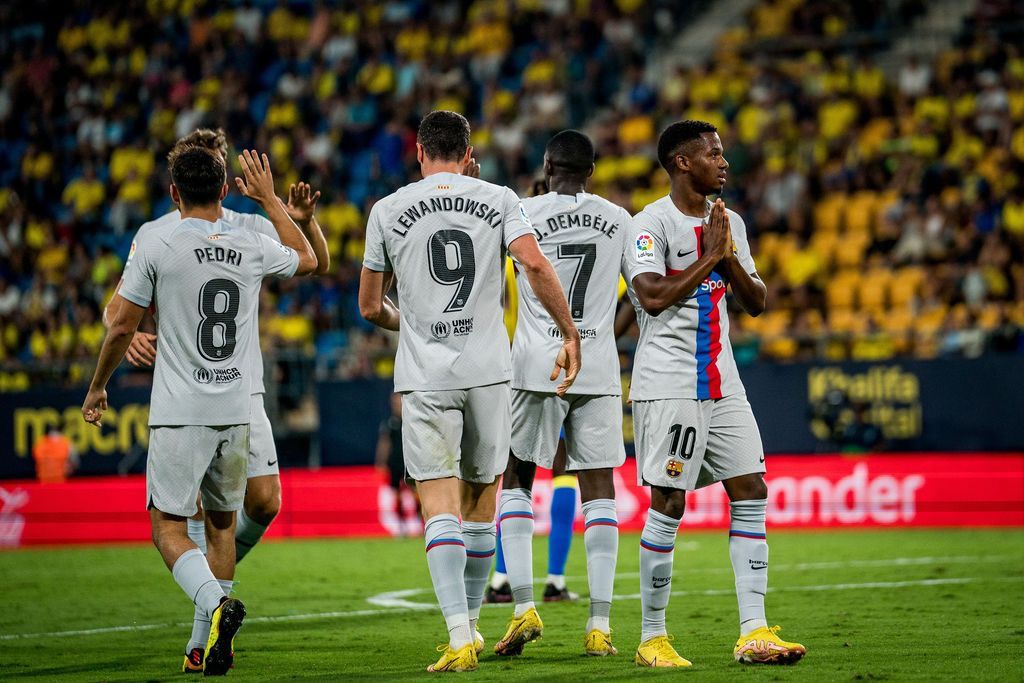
(464,659)
(478,643)
(521,630)
(657,652)
(763,646)
(599,644)
(224,624)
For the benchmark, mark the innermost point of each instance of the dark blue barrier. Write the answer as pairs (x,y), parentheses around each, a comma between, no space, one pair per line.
(350,417)
(119,445)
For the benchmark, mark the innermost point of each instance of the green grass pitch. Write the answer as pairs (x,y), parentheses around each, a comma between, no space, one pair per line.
(896,604)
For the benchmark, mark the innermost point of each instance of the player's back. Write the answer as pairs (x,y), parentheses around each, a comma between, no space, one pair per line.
(206,277)
(583,236)
(445,237)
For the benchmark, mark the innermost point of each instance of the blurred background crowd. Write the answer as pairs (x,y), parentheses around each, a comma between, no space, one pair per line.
(882,190)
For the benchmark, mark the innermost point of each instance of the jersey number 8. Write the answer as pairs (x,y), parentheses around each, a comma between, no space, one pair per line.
(218,319)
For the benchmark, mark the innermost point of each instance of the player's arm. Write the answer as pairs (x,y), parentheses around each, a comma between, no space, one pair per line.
(749,290)
(301,208)
(549,291)
(142,350)
(126,317)
(259,186)
(374,303)
(658,292)
(625,316)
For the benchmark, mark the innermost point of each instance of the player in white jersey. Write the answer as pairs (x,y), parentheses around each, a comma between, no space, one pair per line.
(691,417)
(263,485)
(206,275)
(583,236)
(444,238)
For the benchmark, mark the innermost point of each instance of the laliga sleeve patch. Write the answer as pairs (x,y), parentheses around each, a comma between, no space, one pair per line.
(644,246)
(131,253)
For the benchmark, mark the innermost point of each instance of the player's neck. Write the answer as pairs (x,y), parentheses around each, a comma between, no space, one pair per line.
(209,213)
(569,186)
(688,200)
(429,167)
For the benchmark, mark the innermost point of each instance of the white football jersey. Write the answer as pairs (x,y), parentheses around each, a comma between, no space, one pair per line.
(445,237)
(684,352)
(583,236)
(247,221)
(207,277)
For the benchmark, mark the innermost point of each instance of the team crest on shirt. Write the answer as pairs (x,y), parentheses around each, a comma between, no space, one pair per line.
(644,246)
(674,468)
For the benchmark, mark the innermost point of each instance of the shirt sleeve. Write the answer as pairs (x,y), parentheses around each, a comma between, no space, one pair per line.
(138,280)
(645,252)
(262,225)
(375,256)
(739,241)
(278,260)
(515,222)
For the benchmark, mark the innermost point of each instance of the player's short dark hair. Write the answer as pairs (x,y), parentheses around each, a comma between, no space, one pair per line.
(199,174)
(677,135)
(210,138)
(444,135)
(571,151)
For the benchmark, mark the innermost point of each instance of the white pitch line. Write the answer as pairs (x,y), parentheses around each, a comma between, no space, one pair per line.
(417,606)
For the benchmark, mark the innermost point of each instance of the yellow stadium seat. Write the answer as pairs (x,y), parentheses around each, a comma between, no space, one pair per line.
(873,290)
(840,290)
(850,250)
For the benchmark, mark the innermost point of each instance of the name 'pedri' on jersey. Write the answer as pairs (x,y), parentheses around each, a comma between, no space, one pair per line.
(445,237)
(246,221)
(684,352)
(583,236)
(207,277)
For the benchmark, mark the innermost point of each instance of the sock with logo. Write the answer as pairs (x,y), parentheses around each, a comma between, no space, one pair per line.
(601,539)
(201,621)
(247,534)
(657,546)
(192,573)
(197,533)
(563,512)
(480,543)
(748,550)
(446,559)
(515,514)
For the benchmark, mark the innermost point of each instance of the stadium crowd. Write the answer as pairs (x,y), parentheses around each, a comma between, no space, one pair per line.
(885,208)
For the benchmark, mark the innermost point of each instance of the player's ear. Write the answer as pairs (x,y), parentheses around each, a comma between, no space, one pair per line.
(175,197)
(682,162)
(590,171)
(548,168)
(420,155)
(223,192)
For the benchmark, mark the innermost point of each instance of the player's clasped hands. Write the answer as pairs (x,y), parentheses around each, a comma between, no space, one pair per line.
(258,184)
(717,235)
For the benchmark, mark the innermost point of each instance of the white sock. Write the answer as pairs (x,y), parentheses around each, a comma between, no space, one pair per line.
(197,533)
(480,539)
(516,516)
(556,580)
(446,559)
(657,546)
(601,539)
(498,579)
(748,550)
(193,574)
(247,534)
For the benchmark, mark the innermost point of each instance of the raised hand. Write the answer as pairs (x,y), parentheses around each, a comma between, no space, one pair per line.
(301,202)
(259,181)
(472,168)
